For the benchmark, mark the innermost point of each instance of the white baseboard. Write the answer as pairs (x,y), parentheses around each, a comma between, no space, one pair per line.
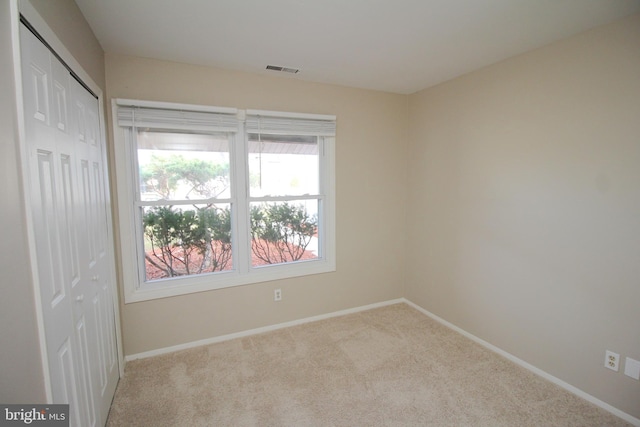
(615,411)
(256,331)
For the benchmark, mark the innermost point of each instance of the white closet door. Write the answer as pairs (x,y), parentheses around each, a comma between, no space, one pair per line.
(68,204)
(97,285)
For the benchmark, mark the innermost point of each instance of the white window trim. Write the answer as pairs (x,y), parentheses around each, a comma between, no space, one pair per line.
(243,273)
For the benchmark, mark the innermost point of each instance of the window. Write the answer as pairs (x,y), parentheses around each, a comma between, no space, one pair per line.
(216,197)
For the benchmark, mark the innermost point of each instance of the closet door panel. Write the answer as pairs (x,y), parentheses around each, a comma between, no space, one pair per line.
(95,264)
(44,187)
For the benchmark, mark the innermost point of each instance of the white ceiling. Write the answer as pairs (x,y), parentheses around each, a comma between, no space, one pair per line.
(397,46)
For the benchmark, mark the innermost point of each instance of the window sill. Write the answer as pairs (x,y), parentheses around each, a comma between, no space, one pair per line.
(176,287)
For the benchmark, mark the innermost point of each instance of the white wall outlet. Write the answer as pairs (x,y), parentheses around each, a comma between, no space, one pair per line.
(611,360)
(632,368)
(277,295)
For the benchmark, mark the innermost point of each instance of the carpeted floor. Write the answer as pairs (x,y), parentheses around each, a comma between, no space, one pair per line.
(390,366)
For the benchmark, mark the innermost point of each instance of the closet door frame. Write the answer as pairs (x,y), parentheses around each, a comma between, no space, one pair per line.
(24,8)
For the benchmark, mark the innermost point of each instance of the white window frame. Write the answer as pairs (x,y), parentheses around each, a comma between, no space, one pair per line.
(135,289)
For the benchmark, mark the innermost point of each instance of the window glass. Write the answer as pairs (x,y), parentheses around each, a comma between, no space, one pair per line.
(186,240)
(282,165)
(284,232)
(183,166)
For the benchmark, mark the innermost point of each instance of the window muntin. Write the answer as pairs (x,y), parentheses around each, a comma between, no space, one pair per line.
(295,190)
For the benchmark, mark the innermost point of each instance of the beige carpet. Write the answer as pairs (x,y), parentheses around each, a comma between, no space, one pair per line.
(390,366)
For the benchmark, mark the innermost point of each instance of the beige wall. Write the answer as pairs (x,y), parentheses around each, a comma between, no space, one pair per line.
(370,174)
(524,192)
(21,376)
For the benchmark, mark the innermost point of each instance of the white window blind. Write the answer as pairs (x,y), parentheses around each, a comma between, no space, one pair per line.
(258,122)
(177,118)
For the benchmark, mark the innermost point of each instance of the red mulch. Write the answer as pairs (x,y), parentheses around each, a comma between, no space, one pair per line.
(153,273)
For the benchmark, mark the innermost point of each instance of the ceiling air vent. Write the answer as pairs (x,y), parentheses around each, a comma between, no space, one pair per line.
(283,69)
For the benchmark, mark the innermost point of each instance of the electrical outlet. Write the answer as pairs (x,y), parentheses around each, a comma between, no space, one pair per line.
(611,360)
(277,296)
